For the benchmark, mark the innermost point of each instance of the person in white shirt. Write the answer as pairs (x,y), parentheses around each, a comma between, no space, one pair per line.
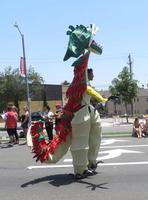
(48,117)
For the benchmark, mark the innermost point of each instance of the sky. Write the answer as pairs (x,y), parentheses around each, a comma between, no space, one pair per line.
(123,30)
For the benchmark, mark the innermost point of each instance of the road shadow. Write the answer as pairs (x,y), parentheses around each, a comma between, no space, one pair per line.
(22,143)
(5,145)
(65,179)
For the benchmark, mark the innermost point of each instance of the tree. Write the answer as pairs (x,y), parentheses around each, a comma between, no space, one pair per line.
(65,83)
(13,87)
(124,87)
(35,84)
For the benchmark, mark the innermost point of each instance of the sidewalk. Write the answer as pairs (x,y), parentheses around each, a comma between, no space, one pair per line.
(110,128)
(116,127)
(3,132)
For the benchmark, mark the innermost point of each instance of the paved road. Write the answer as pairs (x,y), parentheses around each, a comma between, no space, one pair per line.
(123,175)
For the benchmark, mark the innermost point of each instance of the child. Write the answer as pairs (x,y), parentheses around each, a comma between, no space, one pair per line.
(58,115)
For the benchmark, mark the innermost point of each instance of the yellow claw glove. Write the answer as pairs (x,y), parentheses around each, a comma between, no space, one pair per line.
(96,95)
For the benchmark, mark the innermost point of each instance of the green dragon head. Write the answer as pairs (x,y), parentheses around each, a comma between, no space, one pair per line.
(80,39)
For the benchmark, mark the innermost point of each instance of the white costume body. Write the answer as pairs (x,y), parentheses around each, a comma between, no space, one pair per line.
(86,135)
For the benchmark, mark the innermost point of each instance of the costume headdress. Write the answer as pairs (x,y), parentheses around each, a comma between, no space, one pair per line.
(80,39)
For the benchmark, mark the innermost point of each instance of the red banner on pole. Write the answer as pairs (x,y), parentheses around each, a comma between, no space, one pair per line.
(22,67)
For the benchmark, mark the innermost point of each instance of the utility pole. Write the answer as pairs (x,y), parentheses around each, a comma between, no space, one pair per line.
(26,75)
(130,66)
(131,77)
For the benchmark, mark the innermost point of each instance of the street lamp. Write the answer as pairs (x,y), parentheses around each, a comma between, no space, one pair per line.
(26,76)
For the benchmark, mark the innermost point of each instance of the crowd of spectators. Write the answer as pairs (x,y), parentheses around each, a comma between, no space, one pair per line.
(140,129)
(11,117)
(51,122)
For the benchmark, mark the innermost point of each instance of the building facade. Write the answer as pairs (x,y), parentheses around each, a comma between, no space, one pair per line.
(140,103)
(56,94)
(48,94)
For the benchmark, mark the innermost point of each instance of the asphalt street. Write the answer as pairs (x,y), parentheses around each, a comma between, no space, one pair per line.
(122,175)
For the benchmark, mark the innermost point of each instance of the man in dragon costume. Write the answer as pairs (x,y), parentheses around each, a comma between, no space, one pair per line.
(80,127)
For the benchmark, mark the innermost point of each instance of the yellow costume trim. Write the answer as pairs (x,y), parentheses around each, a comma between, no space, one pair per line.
(96,95)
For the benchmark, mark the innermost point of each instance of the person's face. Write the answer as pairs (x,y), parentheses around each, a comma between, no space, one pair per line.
(25,109)
(90,76)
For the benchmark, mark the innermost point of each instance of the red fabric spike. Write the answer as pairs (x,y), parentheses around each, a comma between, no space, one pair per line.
(74,93)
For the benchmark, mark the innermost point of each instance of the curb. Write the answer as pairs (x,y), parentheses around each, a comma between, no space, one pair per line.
(3,138)
(105,135)
(117,135)
(4,129)
(6,138)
